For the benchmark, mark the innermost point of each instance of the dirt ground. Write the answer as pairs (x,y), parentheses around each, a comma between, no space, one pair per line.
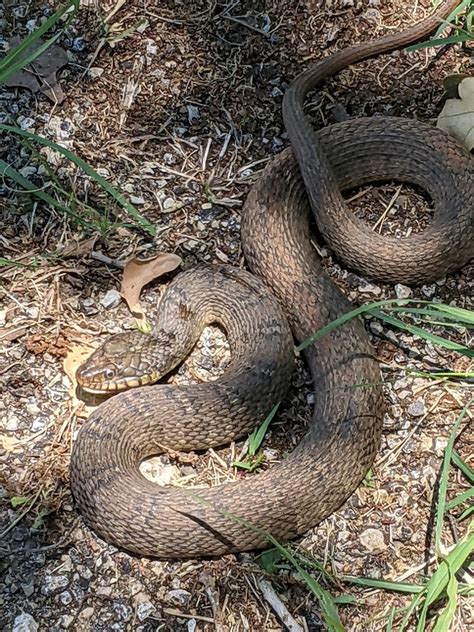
(178,104)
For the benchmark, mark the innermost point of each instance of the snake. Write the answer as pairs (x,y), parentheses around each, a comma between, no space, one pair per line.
(287,295)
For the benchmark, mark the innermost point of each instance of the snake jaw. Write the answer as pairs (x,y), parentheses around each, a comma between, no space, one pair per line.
(114,386)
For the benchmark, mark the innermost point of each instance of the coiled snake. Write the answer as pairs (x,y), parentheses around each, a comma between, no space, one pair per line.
(344,433)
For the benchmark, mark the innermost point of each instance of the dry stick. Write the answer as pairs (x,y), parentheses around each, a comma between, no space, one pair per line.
(278,606)
(380,220)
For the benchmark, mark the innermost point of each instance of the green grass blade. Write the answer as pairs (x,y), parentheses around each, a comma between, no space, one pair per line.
(342,320)
(18,58)
(443,623)
(257,436)
(329,611)
(383,584)
(453,39)
(29,187)
(465,514)
(461,498)
(454,13)
(443,481)
(449,566)
(423,333)
(463,466)
(131,210)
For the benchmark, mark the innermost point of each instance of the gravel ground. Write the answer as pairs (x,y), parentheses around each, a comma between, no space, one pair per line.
(179,106)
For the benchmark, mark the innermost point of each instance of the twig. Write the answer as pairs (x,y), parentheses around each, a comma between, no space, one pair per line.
(278,606)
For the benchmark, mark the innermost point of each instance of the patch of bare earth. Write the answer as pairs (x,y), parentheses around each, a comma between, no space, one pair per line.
(179,105)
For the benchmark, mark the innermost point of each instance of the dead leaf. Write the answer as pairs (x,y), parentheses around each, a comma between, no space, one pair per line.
(10,444)
(457,116)
(78,248)
(41,73)
(76,355)
(138,272)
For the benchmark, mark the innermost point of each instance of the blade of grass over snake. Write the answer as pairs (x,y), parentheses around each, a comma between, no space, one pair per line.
(16,59)
(328,607)
(443,481)
(346,318)
(257,436)
(372,308)
(131,210)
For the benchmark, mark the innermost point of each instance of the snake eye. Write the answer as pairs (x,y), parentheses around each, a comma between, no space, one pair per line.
(109,374)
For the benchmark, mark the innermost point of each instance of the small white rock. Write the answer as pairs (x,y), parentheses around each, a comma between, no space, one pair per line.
(429,290)
(168,203)
(402,291)
(417,408)
(370,288)
(373,540)
(110,299)
(24,623)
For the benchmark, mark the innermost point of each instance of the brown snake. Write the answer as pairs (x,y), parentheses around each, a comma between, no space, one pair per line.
(343,437)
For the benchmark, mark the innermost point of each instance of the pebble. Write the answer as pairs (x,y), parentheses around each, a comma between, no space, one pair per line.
(137,199)
(376,327)
(54,584)
(38,423)
(179,596)
(24,623)
(428,290)
(144,606)
(87,613)
(402,291)
(168,203)
(370,288)
(193,113)
(373,540)
(111,299)
(417,408)
(95,72)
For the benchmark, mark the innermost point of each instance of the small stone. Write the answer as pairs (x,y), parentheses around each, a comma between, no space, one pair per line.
(429,290)
(192,625)
(87,613)
(54,584)
(370,288)
(38,423)
(376,327)
(65,597)
(402,291)
(111,299)
(24,623)
(276,92)
(417,408)
(169,158)
(89,307)
(137,199)
(193,113)
(95,72)
(168,203)
(373,540)
(179,596)
(66,620)
(28,589)
(144,606)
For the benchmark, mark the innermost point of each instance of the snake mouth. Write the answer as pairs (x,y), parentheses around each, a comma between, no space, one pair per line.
(117,385)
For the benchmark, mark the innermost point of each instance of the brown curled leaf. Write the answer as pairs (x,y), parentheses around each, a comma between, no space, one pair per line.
(138,272)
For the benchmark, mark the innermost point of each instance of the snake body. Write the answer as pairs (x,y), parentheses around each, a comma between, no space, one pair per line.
(344,434)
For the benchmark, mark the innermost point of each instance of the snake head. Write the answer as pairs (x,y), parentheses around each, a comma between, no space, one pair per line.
(122,362)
